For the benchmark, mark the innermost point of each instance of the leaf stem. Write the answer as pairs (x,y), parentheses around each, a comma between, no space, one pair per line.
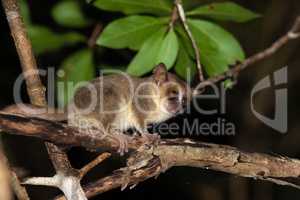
(181,14)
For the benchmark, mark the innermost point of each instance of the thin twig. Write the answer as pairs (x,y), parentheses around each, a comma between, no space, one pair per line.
(19,190)
(46,181)
(182,17)
(95,34)
(174,17)
(292,34)
(88,167)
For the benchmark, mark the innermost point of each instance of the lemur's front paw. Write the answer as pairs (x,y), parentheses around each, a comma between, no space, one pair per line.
(123,143)
(151,139)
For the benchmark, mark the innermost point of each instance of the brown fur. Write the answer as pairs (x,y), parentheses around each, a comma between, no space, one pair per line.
(130,109)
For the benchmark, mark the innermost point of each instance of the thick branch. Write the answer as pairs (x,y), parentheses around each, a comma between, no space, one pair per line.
(60,133)
(170,152)
(223,158)
(182,152)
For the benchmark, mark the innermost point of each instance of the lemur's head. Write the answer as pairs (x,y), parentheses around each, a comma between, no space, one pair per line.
(174,94)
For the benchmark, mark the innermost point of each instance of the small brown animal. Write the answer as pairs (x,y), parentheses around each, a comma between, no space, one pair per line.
(115,103)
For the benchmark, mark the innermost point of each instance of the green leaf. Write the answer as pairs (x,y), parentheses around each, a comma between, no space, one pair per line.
(129,32)
(160,47)
(144,60)
(226,11)
(25,12)
(71,38)
(184,40)
(76,68)
(210,57)
(68,13)
(185,67)
(157,7)
(218,48)
(214,62)
(168,51)
(44,40)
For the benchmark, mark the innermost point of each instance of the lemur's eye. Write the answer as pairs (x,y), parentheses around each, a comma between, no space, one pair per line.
(173,95)
(174,92)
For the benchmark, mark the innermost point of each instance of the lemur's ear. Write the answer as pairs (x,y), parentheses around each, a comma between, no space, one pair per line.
(160,73)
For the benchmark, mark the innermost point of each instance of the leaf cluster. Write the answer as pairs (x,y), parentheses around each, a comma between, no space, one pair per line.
(145,28)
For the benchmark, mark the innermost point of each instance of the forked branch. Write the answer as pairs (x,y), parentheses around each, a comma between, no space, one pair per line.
(150,160)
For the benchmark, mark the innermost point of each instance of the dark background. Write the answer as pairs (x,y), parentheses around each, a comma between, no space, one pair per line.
(181,182)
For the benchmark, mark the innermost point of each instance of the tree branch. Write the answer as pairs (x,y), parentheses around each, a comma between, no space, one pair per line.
(182,152)
(84,170)
(35,89)
(149,162)
(5,186)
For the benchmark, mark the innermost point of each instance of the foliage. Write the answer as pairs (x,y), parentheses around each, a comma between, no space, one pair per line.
(68,13)
(145,28)
(219,48)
